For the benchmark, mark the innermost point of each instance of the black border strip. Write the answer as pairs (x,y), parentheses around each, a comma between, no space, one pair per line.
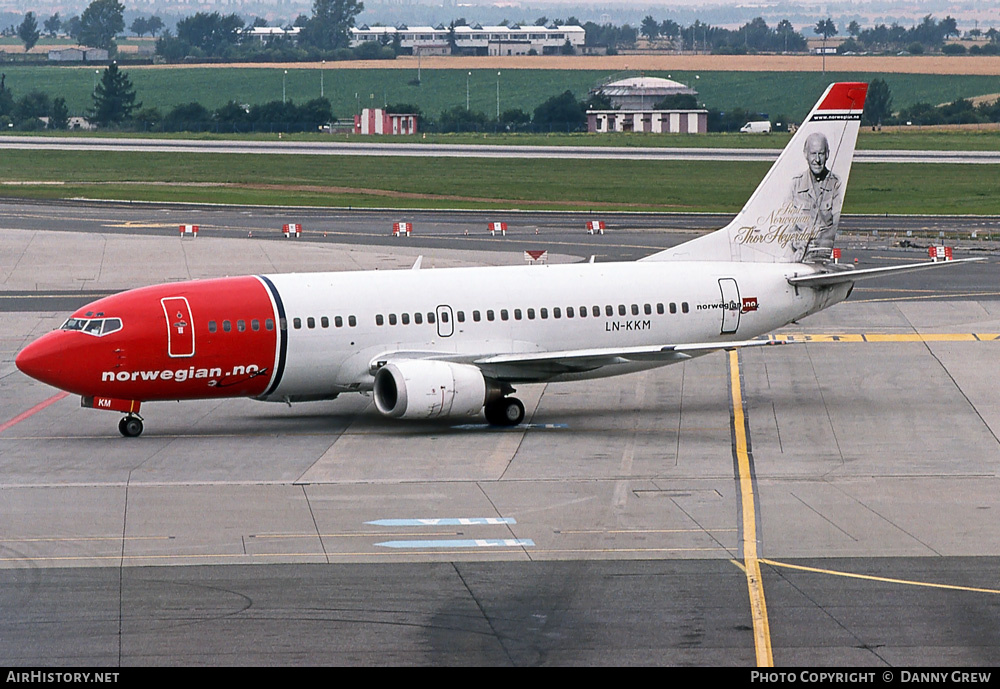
(282,336)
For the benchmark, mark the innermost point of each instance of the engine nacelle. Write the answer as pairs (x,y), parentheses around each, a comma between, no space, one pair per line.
(424,389)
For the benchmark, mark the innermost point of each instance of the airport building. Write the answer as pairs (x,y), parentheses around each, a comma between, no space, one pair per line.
(633,108)
(378,121)
(649,121)
(475,39)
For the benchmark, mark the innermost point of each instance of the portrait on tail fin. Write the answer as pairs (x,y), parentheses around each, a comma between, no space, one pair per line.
(815,198)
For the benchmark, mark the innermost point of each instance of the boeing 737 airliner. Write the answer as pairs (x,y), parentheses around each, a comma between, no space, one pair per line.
(454,342)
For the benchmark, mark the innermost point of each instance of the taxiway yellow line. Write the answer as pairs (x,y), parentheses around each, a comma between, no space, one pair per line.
(751,565)
(871,577)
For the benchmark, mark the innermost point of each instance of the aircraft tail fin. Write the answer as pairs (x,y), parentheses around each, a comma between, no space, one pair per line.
(794,214)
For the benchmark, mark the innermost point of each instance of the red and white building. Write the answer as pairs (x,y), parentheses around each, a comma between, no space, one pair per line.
(378,121)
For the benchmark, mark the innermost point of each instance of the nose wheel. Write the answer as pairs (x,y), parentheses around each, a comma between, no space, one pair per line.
(130,426)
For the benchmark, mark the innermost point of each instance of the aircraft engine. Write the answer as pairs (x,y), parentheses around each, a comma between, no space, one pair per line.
(424,389)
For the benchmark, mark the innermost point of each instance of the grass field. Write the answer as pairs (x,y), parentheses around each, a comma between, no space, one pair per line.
(474,183)
(786,95)
(984,138)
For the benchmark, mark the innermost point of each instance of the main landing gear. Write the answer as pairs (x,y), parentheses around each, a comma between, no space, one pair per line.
(505,411)
(130,426)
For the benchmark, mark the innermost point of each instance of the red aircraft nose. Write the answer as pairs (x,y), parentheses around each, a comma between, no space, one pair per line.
(45,359)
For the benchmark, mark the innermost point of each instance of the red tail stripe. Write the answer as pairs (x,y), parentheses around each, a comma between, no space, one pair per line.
(845,96)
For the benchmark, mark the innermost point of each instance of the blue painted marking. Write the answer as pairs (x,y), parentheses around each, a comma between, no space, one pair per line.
(463,543)
(534,426)
(461,521)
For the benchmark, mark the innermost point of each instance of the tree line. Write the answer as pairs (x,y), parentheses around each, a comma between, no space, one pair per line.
(928,35)
(326,35)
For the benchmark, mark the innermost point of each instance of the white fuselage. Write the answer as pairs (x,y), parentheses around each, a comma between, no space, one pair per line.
(469,313)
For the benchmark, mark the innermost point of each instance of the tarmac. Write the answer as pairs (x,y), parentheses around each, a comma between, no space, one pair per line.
(829,503)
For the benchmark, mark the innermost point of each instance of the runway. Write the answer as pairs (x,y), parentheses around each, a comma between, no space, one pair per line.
(855,471)
(339,148)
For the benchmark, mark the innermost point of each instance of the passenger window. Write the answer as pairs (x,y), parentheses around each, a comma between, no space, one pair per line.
(405,318)
(635,309)
(544,313)
(392,319)
(418,318)
(430,317)
(684,307)
(621,309)
(297,323)
(517,314)
(352,321)
(255,325)
(570,312)
(444,316)
(241,325)
(212,326)
(338,321)
(324,321)
(673,307)
(503,315)
(659,309)
(597,311)
(476,316)
(310,322)
(531,314)
(269,324)
(460,315)
(489,314)
(282,323)
(227,327)
(378,319)
(609,310)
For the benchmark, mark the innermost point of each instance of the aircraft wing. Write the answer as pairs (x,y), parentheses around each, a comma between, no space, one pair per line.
(531,366)
(835,277)
(544,364)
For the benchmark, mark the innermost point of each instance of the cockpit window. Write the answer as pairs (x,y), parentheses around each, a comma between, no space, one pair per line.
(94,326)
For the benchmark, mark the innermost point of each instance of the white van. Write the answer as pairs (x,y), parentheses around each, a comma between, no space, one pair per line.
(758,127)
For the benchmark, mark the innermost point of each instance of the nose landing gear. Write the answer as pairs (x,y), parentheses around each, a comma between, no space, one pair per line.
(130,426)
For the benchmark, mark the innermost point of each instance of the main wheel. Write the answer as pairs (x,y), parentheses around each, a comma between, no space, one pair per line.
(130,426)
(507,411)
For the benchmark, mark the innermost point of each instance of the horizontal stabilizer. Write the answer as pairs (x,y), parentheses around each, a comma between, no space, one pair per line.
(850,275)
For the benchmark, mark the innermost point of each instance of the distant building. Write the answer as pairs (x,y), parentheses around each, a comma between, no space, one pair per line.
(378,121)
(80,54)
(648,121)
(638,93)
(475,39)
(633,102)
(265,32)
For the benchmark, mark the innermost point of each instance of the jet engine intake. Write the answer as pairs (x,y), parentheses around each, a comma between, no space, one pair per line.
(426,389)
